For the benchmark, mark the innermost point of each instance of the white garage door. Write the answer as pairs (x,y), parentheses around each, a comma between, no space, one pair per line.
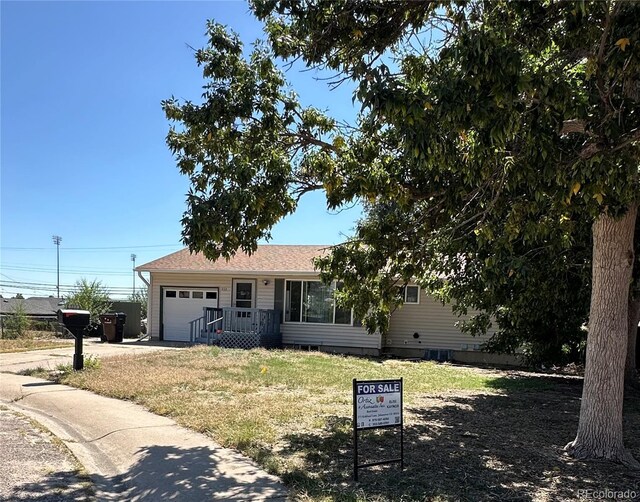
(181,305)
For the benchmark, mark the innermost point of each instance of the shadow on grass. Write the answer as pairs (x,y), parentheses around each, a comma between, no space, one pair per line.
(162,473)
(506,446)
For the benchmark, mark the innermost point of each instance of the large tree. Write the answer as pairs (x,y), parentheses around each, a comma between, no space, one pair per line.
(485,129)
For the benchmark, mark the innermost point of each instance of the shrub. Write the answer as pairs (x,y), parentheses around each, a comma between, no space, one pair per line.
(91,296)
(16,323)
(141,297)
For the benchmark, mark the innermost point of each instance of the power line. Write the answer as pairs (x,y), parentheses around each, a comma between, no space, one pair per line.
(27,284)
(65,271)
(8,277)
(74,267)
(93,248)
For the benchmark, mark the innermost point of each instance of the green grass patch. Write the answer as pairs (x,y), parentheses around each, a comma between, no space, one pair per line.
(289,410)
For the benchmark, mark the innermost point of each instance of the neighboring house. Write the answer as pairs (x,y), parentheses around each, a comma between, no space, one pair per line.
(277,290)
(37,308)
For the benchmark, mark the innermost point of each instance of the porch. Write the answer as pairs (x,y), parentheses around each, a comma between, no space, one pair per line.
(235,327)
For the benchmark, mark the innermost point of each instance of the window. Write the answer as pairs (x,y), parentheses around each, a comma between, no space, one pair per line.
(293,301)
(212,295)
(411,294)
(197,295)
(183,294)
(244,295)
(317,305)
(313,302)
(170,294)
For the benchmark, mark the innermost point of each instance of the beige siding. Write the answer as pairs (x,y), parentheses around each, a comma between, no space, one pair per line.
(264,294)
(329,335)
(435,324)
(150,309)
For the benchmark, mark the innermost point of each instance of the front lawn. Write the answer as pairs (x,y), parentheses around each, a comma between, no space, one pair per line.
(470,434)
(33,340)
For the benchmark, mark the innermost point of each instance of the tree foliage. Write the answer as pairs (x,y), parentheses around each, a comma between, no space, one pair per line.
(91,296)
(490,136)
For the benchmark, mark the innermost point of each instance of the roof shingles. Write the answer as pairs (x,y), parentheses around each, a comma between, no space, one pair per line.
(267,258)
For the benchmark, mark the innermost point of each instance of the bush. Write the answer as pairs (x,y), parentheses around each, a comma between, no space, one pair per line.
(91,296)
(16,323)
(140,297)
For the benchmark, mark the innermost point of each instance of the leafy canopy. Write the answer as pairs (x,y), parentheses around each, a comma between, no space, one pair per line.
(490,134)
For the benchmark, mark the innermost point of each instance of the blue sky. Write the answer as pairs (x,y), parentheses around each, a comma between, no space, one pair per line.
(83,154)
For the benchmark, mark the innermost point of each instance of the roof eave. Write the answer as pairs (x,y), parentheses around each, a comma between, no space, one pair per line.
(227,271)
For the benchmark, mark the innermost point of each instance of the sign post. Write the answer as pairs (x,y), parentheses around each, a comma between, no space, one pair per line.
(377,404)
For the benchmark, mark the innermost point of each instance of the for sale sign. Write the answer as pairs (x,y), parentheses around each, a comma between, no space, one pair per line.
(377,403)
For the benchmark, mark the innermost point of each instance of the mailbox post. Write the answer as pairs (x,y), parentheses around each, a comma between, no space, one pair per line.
(78,357)
(76,321)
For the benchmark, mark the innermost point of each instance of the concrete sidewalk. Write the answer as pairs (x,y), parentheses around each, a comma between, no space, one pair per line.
(133,454)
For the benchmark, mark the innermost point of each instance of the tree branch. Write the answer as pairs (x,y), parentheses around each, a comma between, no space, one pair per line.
(574,126)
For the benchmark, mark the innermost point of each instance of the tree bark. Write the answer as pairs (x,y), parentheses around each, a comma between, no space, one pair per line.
(600,425)
(631,371)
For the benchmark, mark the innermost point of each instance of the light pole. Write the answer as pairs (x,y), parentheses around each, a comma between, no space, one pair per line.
(57,240)
(133,259)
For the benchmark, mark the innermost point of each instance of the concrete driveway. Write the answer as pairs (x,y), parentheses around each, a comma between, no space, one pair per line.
(15,362)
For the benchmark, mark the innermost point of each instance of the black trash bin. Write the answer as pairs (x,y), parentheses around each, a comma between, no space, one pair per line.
(113,326)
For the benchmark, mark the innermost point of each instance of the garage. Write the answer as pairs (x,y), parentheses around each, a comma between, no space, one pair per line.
(182,305)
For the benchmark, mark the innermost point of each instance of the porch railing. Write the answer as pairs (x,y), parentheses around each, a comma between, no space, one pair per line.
(234,320)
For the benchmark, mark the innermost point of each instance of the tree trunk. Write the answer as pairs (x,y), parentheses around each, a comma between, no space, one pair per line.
(631,372)
(600,425)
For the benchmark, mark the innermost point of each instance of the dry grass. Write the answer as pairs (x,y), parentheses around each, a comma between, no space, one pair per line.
(34,340)
(470,434)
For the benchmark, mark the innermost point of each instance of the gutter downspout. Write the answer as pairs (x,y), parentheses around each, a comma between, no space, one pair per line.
(143,279)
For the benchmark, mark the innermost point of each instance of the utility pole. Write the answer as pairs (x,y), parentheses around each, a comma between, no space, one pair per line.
(133,259)
(57,240)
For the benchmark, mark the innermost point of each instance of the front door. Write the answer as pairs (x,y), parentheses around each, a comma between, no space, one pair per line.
(244,293)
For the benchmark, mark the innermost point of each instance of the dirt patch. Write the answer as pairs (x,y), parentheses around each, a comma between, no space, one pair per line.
(467,446)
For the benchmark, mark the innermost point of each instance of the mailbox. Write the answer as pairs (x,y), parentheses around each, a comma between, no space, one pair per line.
(76,321)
